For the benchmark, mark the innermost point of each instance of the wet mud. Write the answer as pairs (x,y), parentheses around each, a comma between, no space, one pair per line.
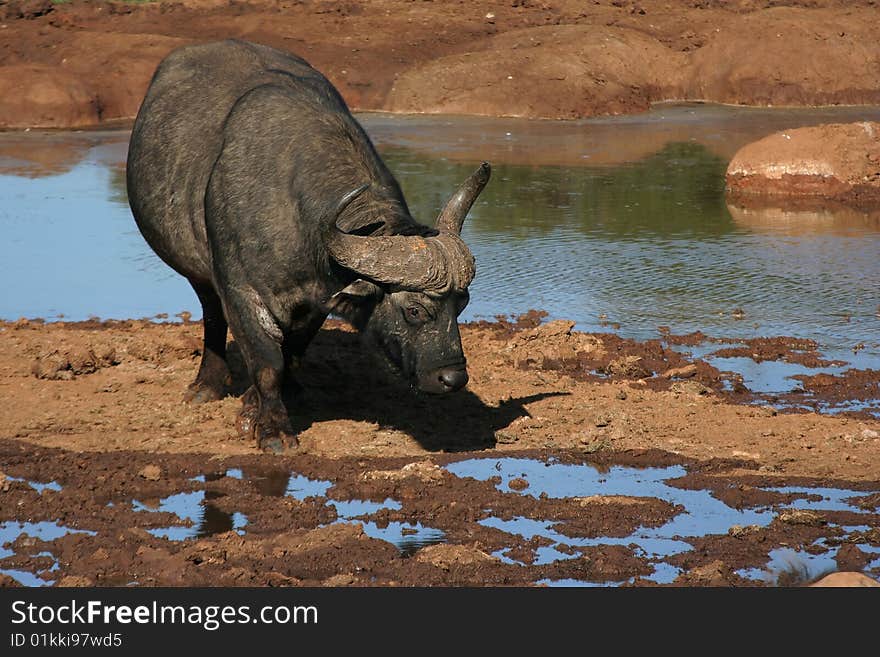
(572,459)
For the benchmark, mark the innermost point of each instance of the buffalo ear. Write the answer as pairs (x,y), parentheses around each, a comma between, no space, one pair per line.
(355,302)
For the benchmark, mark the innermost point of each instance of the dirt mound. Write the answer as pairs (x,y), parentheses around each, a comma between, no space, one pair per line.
(788,56)
(45,97)
(565,59)
(65,364)
(846,580)
(838,161)
(559,72)
(551,346)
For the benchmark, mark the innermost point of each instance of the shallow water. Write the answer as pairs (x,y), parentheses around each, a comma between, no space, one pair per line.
(11,530)
(202,519)
(702,515)
(606,221)
(698,514)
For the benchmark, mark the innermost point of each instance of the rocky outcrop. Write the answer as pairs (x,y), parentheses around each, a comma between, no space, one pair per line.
(839,162)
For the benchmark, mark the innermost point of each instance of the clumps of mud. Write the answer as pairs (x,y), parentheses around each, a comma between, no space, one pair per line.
(72,349)
(556,346)
(552,346)
(851,385)
(787,349)
(67,363)
(506,326)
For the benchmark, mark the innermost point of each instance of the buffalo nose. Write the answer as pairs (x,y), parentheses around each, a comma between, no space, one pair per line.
(454,379)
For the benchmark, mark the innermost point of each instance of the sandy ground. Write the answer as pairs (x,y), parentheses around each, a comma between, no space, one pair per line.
(97,408)
(85,63)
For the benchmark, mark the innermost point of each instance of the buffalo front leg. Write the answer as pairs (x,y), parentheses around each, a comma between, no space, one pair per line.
(263,416)
(213,378)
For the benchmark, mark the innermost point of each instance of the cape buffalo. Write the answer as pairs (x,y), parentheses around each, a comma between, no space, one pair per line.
(248,175)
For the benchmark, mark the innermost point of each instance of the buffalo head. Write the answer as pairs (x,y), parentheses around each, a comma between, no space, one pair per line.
(411,290)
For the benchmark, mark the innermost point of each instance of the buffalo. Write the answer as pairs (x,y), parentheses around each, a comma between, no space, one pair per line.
(249,176)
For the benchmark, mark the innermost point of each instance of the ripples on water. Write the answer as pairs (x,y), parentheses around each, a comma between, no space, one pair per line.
(621,218)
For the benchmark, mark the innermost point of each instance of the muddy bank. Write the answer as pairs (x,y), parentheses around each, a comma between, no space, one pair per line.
(86,63)
(571,458)
(120,384)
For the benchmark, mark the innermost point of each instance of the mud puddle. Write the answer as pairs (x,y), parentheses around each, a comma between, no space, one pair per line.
(698,514)
(620,520)
(25,534)
(830,382)
(203,519)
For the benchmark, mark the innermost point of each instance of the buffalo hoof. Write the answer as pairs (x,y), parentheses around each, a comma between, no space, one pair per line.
(278,443)
(200,394)
(272,434)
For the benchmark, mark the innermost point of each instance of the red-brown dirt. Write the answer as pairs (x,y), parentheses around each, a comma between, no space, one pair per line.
(838,162)
(84,63)
(96,407)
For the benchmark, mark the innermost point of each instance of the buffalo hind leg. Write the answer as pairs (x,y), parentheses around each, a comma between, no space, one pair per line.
(213,379)
(263,415)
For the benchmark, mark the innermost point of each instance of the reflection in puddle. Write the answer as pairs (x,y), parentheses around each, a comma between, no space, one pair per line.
(38,486)
(770,376)
(406,537)
(205,518)
(703,514)
(790,567)
(11,530)
(300,487)
(871,406)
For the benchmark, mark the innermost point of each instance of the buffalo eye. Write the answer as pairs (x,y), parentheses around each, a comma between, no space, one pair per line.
(415,314)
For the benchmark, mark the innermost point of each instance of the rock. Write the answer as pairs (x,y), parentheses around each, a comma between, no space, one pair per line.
(518,483)
(423,470)
(716,573)
(593,444)
(845,580)
(739,530)
(610,499)
(833,161)
(869,434)
(628,366)
(150,472)
(71,581)
(801,517)
(684,372)
(445,556)
(66,364)
(603,419)
(340,579)
(503,437)
(689,388)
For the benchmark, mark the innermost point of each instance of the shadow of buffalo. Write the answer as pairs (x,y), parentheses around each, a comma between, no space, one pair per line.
(340,378)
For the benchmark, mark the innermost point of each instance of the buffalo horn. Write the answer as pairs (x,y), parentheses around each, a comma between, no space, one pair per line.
(452,217)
